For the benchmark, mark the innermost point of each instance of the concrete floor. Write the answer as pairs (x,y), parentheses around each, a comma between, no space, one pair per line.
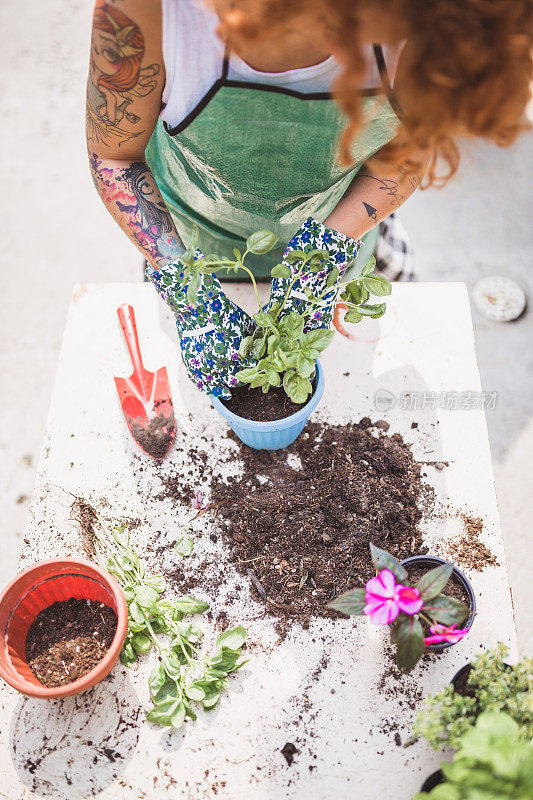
(56,233)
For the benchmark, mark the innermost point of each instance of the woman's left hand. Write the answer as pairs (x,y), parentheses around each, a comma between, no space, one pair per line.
(342,251)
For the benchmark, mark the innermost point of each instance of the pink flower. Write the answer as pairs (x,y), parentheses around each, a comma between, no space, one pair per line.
(385,599)
(198,502)
(442,633)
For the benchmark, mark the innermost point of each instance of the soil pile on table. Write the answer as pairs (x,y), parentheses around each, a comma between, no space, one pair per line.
(300,520)
(255,404)
(156,436)
(69,638)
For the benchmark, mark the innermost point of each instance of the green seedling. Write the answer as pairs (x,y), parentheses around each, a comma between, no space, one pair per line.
(282,353)
(183,675)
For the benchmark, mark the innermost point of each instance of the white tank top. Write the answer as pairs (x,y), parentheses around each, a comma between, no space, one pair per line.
(193,55)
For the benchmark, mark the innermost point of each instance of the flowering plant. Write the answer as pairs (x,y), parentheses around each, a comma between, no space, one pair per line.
(389,599)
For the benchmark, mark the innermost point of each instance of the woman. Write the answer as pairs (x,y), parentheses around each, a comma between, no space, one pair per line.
(250,141)
(249,114)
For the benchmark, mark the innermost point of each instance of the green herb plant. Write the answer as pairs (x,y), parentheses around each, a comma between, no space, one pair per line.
(281,352)
(182,675)
(495,686)
(492,763)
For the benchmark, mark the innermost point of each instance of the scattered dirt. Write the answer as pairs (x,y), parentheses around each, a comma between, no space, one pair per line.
(157,436)
(398,685)
(469,551)
(254,404)
(69,638)
(289,750)
(299,521)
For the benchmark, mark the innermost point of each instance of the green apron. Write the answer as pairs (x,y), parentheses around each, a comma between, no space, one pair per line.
(253,156)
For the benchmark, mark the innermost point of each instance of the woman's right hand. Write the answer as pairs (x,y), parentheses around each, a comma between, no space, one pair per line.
(210,332)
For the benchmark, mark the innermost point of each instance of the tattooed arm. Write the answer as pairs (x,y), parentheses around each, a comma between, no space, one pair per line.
(370,199)
(124,88)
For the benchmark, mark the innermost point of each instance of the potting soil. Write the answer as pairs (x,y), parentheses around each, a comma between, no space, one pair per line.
(255,404)
(468,550)
(156,436)
(69,638)
(299,521)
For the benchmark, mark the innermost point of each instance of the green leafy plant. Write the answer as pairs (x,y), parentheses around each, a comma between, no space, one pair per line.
(389,599)
(281,351)
(492,763)
(182,675)
(493,686)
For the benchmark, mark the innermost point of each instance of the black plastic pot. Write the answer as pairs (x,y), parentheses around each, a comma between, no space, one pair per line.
(434,779)
(459,674)
(466,669)
(431,562)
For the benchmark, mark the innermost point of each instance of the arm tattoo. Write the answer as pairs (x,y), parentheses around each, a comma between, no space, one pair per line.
(132,196)
(414,180)
(371,211)
(390,187)
(116,77)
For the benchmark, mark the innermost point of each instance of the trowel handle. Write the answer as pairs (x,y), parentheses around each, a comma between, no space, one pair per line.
(126,316)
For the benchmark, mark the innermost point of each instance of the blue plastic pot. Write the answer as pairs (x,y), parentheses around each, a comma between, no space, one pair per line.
(275,434)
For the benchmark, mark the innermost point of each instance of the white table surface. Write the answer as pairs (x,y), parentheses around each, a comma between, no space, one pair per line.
(99,744)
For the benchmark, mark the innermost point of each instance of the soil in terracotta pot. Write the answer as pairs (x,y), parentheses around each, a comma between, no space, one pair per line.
(69,638)
(299,521)
(255,404)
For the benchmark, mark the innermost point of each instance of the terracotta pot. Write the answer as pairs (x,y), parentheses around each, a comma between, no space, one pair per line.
(37,588)
(430,562)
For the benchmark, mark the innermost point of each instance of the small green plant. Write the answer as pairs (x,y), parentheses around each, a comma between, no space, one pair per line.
(182,675)
(445,717)
(282,353)
(492,763)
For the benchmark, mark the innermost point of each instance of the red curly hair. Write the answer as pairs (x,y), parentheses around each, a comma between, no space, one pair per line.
(466,71)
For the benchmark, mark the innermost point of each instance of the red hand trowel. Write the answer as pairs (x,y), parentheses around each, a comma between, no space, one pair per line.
(145,396)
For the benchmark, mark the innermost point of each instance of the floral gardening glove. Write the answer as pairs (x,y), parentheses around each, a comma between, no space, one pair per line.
(210,332)
(341,249)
